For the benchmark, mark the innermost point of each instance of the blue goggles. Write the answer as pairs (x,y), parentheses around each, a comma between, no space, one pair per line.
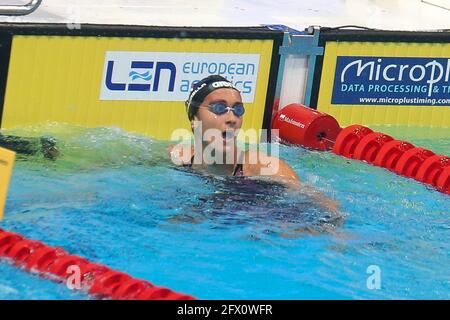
(220,108)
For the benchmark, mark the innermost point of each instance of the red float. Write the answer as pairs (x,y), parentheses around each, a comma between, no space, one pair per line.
(348,139)
(390,153)
(22,250)
(300,125)
(367,149)
(411,160)
(130,289)
(61,265)
(443,182)
(7,240)
(89,272)
(154,293)
(43,258)
(95,278)
(431,168)
(108,282)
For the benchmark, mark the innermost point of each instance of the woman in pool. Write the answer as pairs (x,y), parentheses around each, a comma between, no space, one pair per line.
(215,110)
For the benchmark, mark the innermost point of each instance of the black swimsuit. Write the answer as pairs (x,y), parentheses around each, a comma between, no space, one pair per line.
(237,172)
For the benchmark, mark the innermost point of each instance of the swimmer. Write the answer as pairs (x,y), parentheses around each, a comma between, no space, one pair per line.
(214,104)
(215,110)
(31,146)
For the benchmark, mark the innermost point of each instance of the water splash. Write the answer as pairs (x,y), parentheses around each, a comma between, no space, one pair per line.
(81,148)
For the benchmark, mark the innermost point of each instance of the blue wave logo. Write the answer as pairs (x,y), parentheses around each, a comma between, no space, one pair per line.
(136,75)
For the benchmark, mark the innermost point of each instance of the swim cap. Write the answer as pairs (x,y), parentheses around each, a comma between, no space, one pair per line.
(201,89)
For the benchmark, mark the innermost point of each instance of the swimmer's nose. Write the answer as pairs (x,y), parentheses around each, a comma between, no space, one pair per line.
(230,119)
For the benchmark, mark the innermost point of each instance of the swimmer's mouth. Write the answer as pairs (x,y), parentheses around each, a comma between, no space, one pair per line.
(228,134)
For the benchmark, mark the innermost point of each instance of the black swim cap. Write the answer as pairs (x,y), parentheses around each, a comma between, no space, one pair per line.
(201,89)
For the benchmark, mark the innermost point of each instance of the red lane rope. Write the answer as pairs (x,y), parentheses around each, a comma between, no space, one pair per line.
(401,157)
(95,279)
(300,125)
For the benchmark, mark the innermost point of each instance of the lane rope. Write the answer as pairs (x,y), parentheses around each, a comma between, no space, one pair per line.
(54,263)
(303,126)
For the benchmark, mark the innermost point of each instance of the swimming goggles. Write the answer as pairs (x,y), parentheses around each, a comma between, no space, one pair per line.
(220,108)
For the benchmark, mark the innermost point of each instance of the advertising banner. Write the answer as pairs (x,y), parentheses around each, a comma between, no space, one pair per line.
(137,84)
(392,80)
(386,83)
(168,76)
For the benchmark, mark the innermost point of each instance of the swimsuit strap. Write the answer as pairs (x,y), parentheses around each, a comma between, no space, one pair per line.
(189,164)
(238,169)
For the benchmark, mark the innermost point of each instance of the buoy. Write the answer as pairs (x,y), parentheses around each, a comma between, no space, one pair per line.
(409,163)
(22,249)
(431,168)
(443,182)
(7,240)
(348,139)
(61,265)
(130,289)
(107,283)
(300,125)
(43,258)
(369,146)
(390,153)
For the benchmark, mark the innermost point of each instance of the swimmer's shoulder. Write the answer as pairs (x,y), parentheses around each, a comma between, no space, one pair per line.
(180,154)
(258,163)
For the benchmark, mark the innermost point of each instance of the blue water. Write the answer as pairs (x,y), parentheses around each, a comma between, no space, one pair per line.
(115,199)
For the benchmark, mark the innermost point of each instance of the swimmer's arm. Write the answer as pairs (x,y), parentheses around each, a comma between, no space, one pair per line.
(280,171)
(260,164)
(288,176)
(284,173)
(320,198)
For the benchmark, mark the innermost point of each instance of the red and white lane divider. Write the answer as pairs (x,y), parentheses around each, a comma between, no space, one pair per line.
(95,279)
(300,125)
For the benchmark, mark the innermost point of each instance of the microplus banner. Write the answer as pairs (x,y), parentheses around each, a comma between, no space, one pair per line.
(391,81)
(168,76)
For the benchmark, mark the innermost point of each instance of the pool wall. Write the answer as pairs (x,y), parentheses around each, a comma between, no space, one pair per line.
(138,77)
(133,77)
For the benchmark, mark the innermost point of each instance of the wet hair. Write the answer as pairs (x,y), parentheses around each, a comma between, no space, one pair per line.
(201,89)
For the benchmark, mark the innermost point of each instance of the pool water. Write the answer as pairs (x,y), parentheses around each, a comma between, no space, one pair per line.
(115,199)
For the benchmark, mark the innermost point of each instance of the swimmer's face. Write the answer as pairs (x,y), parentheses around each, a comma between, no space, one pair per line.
(226,126)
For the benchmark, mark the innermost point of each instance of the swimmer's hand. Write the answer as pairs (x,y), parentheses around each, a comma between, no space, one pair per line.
(321,199)
(277,170)
(294,186)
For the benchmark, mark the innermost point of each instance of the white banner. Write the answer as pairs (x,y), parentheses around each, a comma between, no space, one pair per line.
(168,76)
